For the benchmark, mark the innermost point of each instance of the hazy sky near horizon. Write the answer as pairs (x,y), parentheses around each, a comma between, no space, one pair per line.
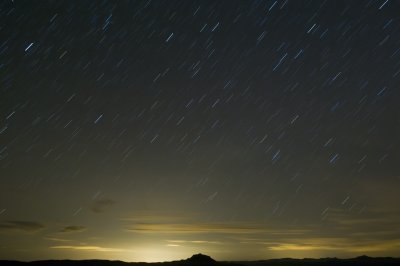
(153,130)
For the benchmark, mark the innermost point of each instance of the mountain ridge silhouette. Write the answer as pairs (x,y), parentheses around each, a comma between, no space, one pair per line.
(201,259)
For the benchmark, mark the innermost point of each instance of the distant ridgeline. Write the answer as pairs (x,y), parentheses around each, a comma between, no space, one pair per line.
(200,259)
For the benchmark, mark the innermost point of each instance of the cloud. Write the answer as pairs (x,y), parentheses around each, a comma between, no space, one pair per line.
(57,239)
(379,224)
(23,226)
(188,228)
(178,223)
(362,230)
(73,229)
(219,228)
(89,248)
(176,242)
(302,247)
(334,244)
(173,245)
(100,205)
(162,216)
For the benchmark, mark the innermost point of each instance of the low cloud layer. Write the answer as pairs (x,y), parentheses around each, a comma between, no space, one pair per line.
(23,226)
(89,248)
(73,229)
(99,206)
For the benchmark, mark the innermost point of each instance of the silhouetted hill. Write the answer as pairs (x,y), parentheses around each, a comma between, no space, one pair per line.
(358,261)
(200,259)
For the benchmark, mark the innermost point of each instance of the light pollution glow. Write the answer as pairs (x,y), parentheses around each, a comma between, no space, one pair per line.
(152,242)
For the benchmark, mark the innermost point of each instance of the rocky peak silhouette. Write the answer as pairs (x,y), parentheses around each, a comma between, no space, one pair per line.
(201,258)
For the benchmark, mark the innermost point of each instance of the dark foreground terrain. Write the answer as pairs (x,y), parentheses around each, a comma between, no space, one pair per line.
(199,259)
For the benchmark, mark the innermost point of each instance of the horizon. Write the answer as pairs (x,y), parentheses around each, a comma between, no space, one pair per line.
(151,130)
(212,259)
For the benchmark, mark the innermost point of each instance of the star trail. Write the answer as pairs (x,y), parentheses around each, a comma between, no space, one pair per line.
(153,130)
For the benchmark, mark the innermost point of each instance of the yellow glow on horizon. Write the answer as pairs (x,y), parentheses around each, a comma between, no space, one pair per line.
(159,254)
(175,249)
(296,247)
(89,248)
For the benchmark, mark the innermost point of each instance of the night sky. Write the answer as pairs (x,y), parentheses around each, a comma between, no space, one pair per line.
(153,130)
